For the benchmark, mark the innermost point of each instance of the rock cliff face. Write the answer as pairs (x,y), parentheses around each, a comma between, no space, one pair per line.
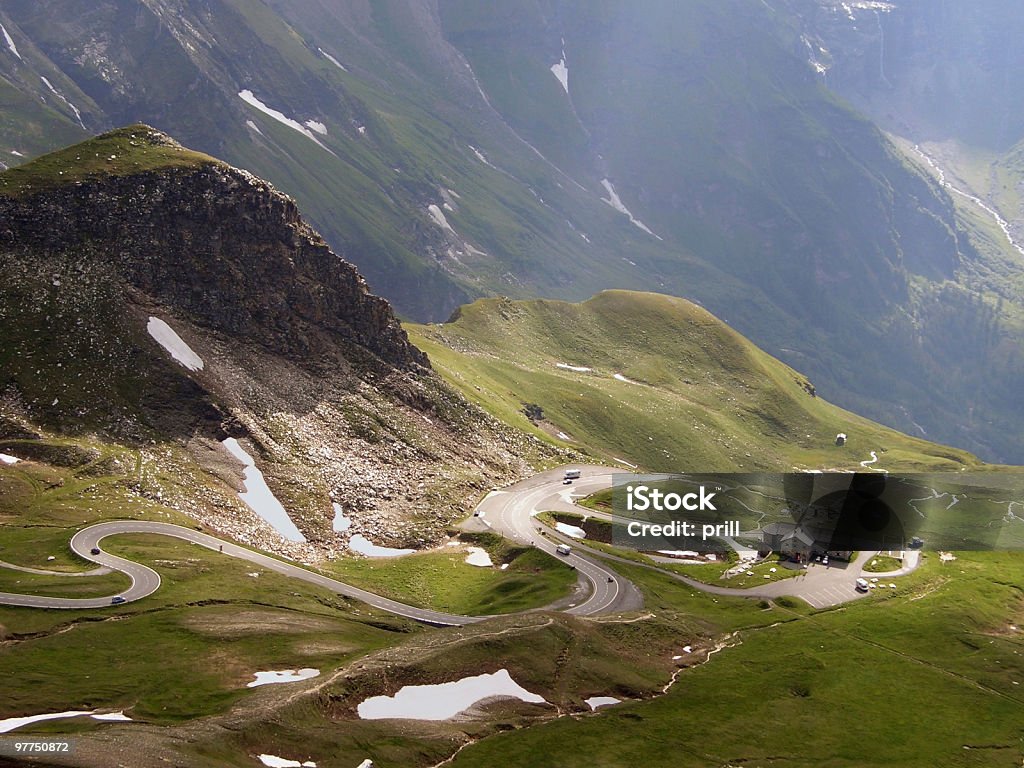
(299,361)
(218,244)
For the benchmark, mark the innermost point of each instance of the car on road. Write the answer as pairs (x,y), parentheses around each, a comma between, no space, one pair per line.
(117,600)
(95,550)
(563,549)
(862,585)
(567,481)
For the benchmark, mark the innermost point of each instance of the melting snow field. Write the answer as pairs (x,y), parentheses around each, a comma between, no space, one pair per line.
(364,546)
(577,368)
(620,377)
(439,218)
(480,156)
(443,701)
(615,202)
(12,723)
(570,530)
(283,762)
(10,42)
(273,677)
(602,701)
(113,717)
(258,496)
(340,522)
(8,459)
(174,344)
(59,95)
(249,98)
(333,60)
(561,71)
(479,557)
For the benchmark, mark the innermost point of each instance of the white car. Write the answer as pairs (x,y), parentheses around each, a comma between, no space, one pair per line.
(863,585)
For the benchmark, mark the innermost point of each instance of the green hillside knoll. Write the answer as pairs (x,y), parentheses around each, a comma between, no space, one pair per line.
(697,395)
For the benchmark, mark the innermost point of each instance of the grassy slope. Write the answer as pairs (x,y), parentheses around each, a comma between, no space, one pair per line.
(840,688)
(195,620)
(443,580)
(704,397)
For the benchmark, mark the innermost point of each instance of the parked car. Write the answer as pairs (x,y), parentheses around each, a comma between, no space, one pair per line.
(863,585)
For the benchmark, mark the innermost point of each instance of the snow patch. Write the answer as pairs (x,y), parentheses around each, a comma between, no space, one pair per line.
(615,202)
(364,546)
(601,701)
(577,368)
(620,377)
(16,153)
(254,127)
(273,761)
(274,677)
(340,522)
(8,459)
(333,60)
(362,130)
(570,530)
(13,723)
(439,218)
(480,156)
(10,42)
(316,125)
(258,496)
(478,556)
(560,70)
(59,95)
(173,343)
(445,700)
(113,717)
(249,98)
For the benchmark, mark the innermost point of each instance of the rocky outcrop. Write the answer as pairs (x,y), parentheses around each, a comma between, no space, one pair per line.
(222,246)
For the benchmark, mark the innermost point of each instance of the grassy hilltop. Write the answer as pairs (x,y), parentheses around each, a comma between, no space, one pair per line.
(697,395)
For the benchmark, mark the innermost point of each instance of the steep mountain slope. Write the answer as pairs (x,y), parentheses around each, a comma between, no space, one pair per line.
(164,301)
(658,382)
(560,148)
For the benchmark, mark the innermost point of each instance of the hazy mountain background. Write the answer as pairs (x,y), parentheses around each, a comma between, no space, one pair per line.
(461,148)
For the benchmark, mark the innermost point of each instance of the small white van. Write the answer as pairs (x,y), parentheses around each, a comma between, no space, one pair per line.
(572,474)
(862,585)
(563,549)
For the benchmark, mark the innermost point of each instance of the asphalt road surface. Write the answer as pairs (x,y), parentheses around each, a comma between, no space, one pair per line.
(512,507)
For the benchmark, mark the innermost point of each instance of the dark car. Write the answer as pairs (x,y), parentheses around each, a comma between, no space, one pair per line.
(117,600)
(95,550)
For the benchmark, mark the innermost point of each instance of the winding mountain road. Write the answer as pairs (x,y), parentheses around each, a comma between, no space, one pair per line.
(508,511)
(511,510)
